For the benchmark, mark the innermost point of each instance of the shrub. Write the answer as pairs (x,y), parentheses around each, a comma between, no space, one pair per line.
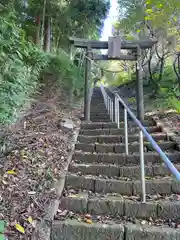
(21,64)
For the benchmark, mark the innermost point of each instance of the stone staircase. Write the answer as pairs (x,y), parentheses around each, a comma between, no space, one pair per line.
(102,195)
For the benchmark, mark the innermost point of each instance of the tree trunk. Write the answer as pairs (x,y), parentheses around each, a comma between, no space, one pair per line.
(43,20)
(38,26)
(47,34)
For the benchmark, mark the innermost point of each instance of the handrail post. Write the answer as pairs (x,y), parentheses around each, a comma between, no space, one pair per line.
(106,100)
(112,112)
(109,106)
(141,148)
(126,131)
(115,109)
(117,113)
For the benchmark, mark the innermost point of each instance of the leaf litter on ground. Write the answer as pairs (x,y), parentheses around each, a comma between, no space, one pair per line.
(36,154)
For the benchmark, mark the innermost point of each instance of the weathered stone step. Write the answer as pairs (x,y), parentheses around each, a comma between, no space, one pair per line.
(97,101)
(130,172)
(100,119)
(120,148)
(145,123)
(99,114)
(97,125)
(75,230)
(122,159)
(79,230)
(130,188)
(116,131)
(95,169)
(97,111)
(98,105)
(118,138)
(119,206)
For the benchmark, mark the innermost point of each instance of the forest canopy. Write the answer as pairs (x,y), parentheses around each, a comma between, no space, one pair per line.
(34,42)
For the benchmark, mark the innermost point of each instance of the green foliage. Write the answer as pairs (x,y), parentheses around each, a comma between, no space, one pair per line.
(67,74)
(82,18)
(159,13)
(121,78)
(21,64)
(169,93)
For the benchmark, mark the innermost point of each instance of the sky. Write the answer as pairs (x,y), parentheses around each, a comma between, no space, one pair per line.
(107,30)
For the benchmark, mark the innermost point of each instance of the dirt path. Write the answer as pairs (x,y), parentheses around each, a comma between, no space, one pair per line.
(33,157)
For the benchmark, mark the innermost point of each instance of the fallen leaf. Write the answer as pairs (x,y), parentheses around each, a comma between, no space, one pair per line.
(63,213)
(73,196)
(88,216)
(19,228)
(4,182)
(89,221)
(32,193)
(178,197)
(59,211)
(11,172)
(30,220)
(178,225)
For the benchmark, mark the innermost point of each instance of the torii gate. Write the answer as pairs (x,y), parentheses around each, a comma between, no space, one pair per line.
(114,46)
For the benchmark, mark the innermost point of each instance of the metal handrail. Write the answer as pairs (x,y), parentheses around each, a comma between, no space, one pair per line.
(115,111)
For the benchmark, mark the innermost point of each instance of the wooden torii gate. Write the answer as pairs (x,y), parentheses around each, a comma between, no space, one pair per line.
(114,46)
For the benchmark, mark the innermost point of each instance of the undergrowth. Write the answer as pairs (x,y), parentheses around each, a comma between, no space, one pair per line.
(22,64)
(168,94)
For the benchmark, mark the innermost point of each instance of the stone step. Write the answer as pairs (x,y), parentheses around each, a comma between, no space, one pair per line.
(100,119)
(122,159)
(97,101)
(97,125)
(119,206)
(129,188)
(145,123)
(129,172)
(75,229)
(99,113)
(116,131)
(118,139)
(100,103)
(120,148)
